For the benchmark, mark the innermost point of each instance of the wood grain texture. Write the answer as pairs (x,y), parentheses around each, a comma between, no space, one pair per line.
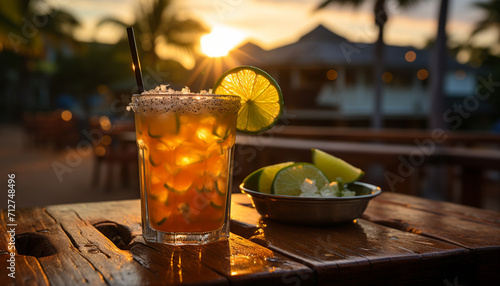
(172,265)
(459,229)
(246,263)
(401,240)
(28,271)
(443,208)
(56,259)
(116,266)
(101,244)
(473,229)
(360,253)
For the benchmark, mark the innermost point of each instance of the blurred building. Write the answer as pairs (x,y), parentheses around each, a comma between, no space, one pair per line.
(327,77)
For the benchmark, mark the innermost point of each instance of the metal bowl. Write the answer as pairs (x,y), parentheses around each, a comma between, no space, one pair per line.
(314,211)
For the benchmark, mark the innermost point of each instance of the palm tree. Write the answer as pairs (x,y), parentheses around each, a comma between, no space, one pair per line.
(491,20)
(162,34)
(492,17)
(28,27)
(488,56)
(31,29)
(381,16)
(437,70)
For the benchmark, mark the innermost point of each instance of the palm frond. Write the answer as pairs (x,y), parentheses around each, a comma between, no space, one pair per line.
(492,5)
(158,25)
(492,16)
(61,23)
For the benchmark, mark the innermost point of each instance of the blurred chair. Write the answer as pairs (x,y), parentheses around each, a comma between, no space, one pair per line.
(56,129)
(112,148)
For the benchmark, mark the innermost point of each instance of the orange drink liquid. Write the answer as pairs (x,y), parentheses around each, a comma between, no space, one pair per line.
(185,146)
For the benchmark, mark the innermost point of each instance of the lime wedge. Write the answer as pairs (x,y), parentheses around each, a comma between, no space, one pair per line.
(261,180)
(289,179)
(268,174)
(261,97)
(334,167)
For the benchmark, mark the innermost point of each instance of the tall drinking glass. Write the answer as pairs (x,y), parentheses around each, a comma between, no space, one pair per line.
(185,144)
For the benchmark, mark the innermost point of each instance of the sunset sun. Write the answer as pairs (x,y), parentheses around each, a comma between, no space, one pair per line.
(220,41)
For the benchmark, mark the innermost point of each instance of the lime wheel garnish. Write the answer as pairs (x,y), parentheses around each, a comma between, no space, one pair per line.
(261,97)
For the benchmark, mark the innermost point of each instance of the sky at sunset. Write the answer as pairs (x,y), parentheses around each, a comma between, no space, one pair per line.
(272,23)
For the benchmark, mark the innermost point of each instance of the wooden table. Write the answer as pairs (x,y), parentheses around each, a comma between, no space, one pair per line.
(400,240)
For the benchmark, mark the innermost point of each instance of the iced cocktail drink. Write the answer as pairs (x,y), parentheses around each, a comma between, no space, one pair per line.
(185,146)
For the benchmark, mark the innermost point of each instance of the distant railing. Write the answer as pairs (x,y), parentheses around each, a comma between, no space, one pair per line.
(397,136)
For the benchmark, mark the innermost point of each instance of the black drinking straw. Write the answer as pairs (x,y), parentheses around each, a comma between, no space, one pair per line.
(135,59)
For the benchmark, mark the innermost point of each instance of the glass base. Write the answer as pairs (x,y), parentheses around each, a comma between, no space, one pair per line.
(184,238)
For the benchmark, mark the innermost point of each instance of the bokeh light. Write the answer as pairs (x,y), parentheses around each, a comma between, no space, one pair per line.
(106,140)
(105,123)
(410,56)
(387,77)
(331,74)
(463,56)
(100,151)
(66,115)
(422,74)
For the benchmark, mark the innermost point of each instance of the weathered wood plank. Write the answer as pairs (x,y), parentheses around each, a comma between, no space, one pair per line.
(138,262)
(457,225)
(217,256)
(172,265)
(361,253)
(246,263)
(49,253)
(444,208)
(239,214)
(101,244)
(27,271)
(126,212)
(456,229)
(115,265)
